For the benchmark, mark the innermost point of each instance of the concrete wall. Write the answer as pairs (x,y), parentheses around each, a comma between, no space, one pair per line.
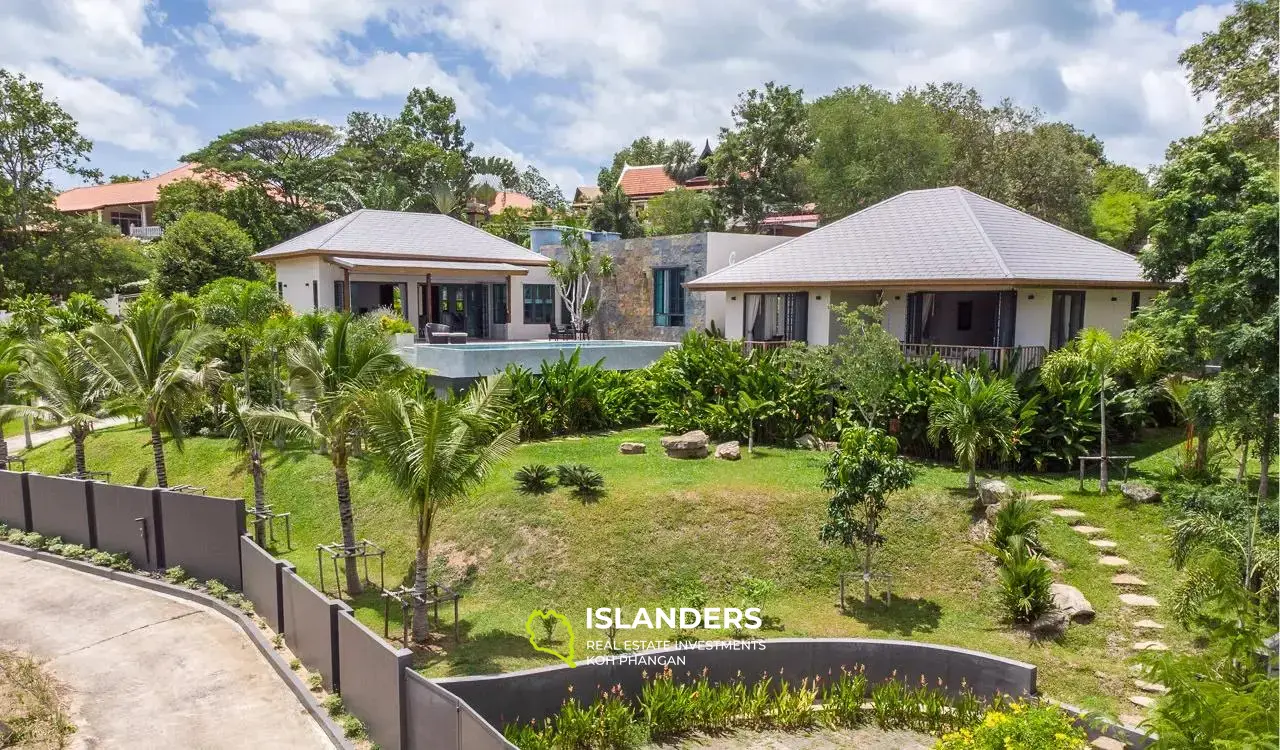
(538,693)
(117,509)
(14,511)
(202,534)
(436,719)
(372,680)
(311,628)
(62,507)
(724,249)
(298,275)
(263,584)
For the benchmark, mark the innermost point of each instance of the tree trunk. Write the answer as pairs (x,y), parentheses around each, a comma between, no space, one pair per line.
(973,476)
(1264,461)
(1243,467)
(4,450)
(259,496)
(421,625)
(77,437)
(26,432)
(348,521)
(157,452)
(866,575)
(1104,473)
(1202,449)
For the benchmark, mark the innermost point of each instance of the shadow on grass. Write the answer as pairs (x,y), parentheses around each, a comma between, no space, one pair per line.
(475,653)
(905,616)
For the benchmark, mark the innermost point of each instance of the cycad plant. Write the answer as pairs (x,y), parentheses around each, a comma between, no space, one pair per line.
(331,380)
(1018,521)
(148,365)
(437,451)
(1025,582)
(69,389)
(976,415)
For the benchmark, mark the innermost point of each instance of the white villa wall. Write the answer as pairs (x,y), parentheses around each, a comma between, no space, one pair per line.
(723,249)
(895,312)
(296,275)
(1035,306)
(819,315)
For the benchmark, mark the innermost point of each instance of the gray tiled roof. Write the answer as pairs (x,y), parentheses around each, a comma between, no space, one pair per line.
(943,234)
(400,234)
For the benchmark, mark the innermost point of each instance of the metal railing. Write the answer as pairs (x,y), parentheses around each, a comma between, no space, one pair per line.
(146,233)
(779,344)
(1020,358)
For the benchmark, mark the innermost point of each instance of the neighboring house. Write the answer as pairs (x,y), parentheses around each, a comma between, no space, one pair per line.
(131,206)
(646,298)
(443,271)
(506,199)
(584,196)
(959,275)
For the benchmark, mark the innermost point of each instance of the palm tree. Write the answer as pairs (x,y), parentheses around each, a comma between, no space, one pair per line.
(148,364)
(977,416)
(12,399)
(331,381)
(1217,550)
(69,389)
(1095,354)
(238,422)
(438,451)
(241,309)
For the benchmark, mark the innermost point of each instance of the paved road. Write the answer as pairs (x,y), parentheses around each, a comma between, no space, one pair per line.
(18,442)
(145,670)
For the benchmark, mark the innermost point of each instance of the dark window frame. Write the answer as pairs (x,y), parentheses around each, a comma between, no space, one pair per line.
(1058,340)
(669,296)
(535,307)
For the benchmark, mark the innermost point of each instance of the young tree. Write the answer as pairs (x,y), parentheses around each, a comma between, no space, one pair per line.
(78,313)
(865,359)
(977,416)
(201,248)
(332,379)
(148,366)
(1095,355)
(438,451)
(756,161)
(240,309)
(579,272)
(612,212)
(863,472)
(238,422)
(1122,211)
(69,390)
(678,211)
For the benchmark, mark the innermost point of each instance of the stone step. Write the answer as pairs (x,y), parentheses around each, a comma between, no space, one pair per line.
(1145,701)
(1127,579)
(1046,498)
(1087,530)
(1148,625)
(1139,600)
(1111,561)
(1131,720)
(1106,743)
(1103,544)
(1068,513)
(1149,646)
(1150,687)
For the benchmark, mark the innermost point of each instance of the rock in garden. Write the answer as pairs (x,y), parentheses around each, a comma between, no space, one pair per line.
(830,445)
(1111,561)
(692,444)
(993,492)
(1144,701)
(1139,493)
(809,442)
(1149,646)
(1148,625)
(1127,579)
(1051,624)
(631,449)
(1107,743)
(729,451)
(990,511)
(1139,600)
(1069,601)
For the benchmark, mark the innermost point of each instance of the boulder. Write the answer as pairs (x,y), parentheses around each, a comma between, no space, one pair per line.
(729,451)
(990,512)
(631,449)
(993,492)
(692,444)
(809,442)
(830,445)
(1069,601)
(1139,493)
(1051,624)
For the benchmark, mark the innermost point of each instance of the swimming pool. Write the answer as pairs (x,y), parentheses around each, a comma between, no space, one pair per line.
(459,362)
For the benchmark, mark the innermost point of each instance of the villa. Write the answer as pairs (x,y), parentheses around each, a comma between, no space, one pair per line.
(130,206)
(958,274)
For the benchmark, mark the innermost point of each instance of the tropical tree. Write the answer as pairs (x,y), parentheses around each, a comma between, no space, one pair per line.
(200,248)
(332,379)
(863,471)
(1096,355)
(69,390)
(612,212)
(241,309)
(149,366)
(12,399)
(239,424)
(578,272)
(976,414)
(438,451)
(679,211)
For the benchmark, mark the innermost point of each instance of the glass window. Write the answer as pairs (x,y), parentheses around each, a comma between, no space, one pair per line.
(499,292)
(539,303)
(964,315)
(1066,318)
(668,297)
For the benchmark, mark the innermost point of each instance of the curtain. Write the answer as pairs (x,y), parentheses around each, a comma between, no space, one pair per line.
(928,299)
(755,308)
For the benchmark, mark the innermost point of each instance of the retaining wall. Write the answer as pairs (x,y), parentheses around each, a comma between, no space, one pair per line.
(311,628)
(373,680)
(202,534)
(263,586)
(14,511)
(61,507)
(126,521)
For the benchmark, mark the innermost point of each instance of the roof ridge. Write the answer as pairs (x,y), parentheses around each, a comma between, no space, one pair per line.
(781,245)
(959,192)
(1099,243)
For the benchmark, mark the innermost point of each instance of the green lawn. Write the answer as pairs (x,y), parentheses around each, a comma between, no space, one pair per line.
(664,522)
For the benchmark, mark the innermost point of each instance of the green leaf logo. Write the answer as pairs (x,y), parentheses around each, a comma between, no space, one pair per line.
(537,618)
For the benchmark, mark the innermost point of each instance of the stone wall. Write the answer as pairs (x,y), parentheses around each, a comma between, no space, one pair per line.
(627,312)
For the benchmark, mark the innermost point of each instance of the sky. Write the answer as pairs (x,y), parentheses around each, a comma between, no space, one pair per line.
(563,84)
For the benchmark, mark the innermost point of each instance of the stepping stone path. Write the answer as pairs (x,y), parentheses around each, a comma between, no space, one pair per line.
(1106,743)
(1130,720)
(1086,530)
(1151,687)
(1051,499)
(1072,516)
(1148,625)
(1111,561)
(1150,646)
(1106,544)
(1142,701)
(1139,600)
(1127,579)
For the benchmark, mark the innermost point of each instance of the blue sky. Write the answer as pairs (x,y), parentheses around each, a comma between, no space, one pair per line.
(562,84)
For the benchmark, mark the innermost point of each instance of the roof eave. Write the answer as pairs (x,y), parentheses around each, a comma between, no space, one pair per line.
(267,257)
(798,285)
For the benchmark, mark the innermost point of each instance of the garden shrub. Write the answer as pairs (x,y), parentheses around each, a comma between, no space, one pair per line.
(582,478)
(32,539)
(1019,519)
(1025,582)
(1022,726)
(535,479)
(176,575)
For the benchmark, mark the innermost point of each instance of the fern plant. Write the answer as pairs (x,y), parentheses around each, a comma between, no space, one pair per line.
(535,479)
(582,478)
(1018,519)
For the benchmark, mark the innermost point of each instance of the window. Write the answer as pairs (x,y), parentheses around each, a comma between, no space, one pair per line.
(776,317)
(338,301)
(539,303)
(499,292)
(280,289)
(125,219)
(1066,319)
(668,297)
(964,315)
(315,295)
(1135,300)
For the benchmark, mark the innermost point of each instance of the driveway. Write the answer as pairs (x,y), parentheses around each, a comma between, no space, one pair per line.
(18,443)
(145,670)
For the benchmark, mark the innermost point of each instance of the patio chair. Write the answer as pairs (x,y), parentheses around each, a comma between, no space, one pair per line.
(439,333)
(558,333)
(583,333)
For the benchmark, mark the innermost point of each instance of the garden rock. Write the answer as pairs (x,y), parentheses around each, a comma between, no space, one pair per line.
(1148,625)
(1069,601)
(631,449)
(993,492)
(692,444)
(729,451)
(809,442)
(1051,624)
(1139,600)
(1139,493)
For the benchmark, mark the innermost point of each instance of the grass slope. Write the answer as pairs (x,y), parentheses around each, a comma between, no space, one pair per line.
(662,523)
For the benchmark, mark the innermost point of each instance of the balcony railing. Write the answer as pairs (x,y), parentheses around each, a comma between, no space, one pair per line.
(778,344)
(1019,358)
(146,233)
